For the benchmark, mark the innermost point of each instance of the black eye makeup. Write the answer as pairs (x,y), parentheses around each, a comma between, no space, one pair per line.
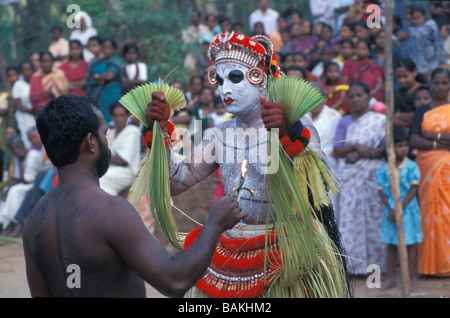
(236,76)
(219,80)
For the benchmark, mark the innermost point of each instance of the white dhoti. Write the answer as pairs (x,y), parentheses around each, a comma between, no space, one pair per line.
(127,145)
(14,199)
(117,179)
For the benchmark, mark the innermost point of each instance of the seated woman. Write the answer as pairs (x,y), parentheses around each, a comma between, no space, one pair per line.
(47,82)
(125,144)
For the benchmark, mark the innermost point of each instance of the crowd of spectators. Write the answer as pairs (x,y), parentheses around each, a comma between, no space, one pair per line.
(332,46)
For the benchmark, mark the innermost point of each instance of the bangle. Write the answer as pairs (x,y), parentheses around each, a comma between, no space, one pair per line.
(434,144)
(438,137)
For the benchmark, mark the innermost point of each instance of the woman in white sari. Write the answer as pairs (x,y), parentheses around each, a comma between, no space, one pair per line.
(359,157)
(124,142)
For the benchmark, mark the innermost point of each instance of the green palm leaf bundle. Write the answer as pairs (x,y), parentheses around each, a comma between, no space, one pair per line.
(310,261)
(136,100)
(153,179)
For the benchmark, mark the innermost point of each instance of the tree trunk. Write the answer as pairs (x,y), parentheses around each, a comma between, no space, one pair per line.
(393,175)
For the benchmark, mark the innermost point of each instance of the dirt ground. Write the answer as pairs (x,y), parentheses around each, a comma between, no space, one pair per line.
(197,202)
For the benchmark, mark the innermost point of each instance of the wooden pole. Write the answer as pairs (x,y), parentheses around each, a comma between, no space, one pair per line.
(393,175)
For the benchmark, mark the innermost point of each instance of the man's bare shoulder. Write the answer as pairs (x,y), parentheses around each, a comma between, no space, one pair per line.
(92,202)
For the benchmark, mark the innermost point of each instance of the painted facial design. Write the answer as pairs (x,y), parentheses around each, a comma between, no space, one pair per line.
(237,93)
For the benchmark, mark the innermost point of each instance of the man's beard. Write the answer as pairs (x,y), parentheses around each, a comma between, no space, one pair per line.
(102,164)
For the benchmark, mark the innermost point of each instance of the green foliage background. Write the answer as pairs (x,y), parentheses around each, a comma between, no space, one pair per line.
(155,24)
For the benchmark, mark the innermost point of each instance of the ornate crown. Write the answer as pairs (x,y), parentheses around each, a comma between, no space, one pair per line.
(256,53)
(238,48)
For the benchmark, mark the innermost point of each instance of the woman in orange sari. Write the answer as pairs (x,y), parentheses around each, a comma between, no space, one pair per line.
(430,134)
(47,83)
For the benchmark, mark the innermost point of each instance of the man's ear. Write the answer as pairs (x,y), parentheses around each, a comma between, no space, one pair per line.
(91,143)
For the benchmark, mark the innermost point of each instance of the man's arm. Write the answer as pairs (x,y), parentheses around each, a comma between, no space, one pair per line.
(172,275)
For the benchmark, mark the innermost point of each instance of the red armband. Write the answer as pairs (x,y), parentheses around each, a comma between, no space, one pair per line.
(147,139)
(295,140)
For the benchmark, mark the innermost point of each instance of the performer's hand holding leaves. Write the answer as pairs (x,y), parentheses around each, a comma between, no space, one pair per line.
(158,109)
(273,116)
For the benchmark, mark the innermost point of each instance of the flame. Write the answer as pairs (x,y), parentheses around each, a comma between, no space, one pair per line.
(244,168)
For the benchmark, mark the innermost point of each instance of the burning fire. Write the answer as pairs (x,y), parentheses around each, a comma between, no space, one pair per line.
(244,168)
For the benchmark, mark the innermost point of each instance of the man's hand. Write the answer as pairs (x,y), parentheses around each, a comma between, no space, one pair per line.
(226,213)
(158,109)
(272,116)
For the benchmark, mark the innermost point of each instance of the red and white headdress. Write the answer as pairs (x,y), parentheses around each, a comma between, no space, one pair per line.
(256,53)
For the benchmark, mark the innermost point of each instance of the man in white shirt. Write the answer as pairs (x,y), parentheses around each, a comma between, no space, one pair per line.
(59,47)
(322,10)
(266,15)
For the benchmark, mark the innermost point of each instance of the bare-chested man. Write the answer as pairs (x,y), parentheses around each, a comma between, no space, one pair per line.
(78,223)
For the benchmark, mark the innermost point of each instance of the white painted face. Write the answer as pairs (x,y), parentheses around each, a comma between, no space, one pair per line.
(237,93)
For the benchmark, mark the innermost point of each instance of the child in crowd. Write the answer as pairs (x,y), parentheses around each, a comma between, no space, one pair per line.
(409,176)
(346,50)
(422,42)
(422,96)
(327,54)
(362,32)
(347,30)
(134,72)
(296,71)
(409,80)
(335,88)
(299,59)
(220,112)
(95,47)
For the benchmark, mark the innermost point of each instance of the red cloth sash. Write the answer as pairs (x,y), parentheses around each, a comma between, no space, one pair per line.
(240,267)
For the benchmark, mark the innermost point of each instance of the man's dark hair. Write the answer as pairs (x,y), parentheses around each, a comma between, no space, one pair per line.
(63,123)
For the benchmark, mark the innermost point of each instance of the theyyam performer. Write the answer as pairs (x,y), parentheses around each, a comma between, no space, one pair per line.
(288,245)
